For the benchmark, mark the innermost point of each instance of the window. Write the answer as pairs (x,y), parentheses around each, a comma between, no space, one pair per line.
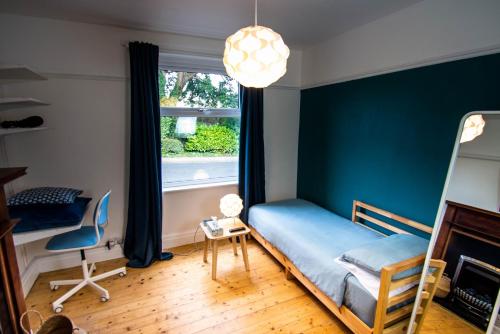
(200,125)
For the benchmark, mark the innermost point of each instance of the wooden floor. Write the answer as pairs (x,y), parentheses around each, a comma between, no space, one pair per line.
(179,296)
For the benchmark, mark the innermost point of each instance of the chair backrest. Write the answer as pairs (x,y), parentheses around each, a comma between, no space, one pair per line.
(101,213)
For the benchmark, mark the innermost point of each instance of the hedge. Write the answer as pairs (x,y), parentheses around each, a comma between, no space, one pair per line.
(167,126)
(213,138)
(171,145)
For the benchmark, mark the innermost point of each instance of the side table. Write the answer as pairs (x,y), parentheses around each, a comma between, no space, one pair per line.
(226,224)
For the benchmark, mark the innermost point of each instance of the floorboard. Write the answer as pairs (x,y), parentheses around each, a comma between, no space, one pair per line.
(179,296)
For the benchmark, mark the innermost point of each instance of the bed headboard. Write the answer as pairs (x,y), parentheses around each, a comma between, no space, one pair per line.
(362,210)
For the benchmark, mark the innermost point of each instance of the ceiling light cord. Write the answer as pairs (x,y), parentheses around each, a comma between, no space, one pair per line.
(255,23)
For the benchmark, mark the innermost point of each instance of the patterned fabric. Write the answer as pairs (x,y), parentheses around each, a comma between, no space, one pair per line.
(44,195)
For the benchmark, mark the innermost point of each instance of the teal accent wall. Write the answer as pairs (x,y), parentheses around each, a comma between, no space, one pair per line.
(387,140)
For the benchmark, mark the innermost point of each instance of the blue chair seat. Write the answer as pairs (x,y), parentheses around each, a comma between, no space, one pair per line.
(82,238)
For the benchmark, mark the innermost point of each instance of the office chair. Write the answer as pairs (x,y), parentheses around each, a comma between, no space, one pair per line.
(86,237)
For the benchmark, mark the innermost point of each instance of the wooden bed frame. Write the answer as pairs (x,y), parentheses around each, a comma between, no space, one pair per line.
(385,322)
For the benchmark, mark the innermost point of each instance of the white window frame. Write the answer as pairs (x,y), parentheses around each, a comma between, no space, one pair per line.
(198,112)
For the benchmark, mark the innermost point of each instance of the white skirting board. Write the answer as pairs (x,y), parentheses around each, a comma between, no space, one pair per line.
(64,260)
(183,238)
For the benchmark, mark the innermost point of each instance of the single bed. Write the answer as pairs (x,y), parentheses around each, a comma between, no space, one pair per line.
(307,240)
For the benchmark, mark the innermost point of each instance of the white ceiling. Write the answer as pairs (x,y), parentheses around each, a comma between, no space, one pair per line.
(300,22)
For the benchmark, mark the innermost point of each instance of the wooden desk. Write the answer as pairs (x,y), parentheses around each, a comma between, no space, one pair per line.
(12,303)
(226,224)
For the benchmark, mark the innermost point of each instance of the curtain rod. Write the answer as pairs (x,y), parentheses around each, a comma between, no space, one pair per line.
(188,53)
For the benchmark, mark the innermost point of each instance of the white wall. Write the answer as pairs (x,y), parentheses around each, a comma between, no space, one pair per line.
(184,209)
(476,178)
(427,32)
(87,144)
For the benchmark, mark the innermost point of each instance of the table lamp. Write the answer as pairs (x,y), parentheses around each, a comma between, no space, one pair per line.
(231,205)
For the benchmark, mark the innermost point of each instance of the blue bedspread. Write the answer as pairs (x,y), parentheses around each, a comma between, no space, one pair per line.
(311,237)
(41,217)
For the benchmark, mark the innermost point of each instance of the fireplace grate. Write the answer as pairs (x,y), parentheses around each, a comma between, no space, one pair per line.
(470,298)
(474,289)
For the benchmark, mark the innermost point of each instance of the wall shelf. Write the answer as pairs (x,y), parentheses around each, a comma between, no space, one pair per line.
(7,103)
(18,73)
(6,132)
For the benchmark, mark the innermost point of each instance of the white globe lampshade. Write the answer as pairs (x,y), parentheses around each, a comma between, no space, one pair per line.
(231,205)
(255,56)
(473,127)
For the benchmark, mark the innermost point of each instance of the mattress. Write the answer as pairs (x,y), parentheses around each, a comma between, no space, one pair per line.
(42,217)
(312,237)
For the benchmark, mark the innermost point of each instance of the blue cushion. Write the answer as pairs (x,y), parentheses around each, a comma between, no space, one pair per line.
(375,255)
(40,217)
(44,195)
(82,238)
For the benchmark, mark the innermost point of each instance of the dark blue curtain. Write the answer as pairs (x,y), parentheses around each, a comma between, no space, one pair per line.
(251,160)
(144,226)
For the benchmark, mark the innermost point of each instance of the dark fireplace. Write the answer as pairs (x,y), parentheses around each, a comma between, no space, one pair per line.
(469,242)
(460,243)
(474,290)
(472,264)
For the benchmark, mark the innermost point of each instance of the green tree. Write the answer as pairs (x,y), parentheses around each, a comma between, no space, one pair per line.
(198,90)
(213,135)
(161,84)
(167,126)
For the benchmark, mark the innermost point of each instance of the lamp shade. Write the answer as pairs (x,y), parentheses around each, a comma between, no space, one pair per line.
(255,56)
(231,205)
(473,127)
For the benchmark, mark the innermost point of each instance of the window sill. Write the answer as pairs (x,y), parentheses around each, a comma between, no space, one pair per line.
(199,186)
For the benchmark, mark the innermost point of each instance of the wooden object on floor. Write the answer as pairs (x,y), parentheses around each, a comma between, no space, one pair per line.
(12,304)
(179,296)
(444,287)
(362,213)
(56,324)
(226,224)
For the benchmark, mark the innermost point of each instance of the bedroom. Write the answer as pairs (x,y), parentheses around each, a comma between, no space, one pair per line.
(369,109)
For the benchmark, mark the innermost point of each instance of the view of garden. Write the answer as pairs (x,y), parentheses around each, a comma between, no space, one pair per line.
(198,147)
(207,136)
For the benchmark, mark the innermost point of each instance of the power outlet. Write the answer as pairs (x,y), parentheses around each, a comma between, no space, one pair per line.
(112,243)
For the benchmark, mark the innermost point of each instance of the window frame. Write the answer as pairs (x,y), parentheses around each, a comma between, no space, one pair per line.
(202,113)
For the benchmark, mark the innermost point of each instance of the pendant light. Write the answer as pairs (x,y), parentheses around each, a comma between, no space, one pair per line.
(473,127)
(255,56)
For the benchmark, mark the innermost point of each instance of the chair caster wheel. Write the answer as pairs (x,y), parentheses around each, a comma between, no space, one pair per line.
(58,309)
(122,274)
(104,299)
(54,287)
